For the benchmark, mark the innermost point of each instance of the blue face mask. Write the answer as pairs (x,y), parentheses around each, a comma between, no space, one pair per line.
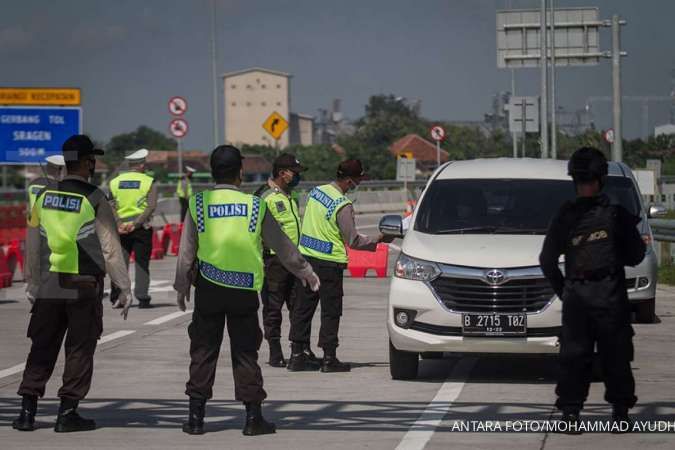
(294,181)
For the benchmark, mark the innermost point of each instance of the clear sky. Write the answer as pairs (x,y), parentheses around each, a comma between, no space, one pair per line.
(130,56)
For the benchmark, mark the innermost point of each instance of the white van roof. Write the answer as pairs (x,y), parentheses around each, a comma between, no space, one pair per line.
(520,168)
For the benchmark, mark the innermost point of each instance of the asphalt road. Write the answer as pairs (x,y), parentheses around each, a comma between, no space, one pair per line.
(138,400)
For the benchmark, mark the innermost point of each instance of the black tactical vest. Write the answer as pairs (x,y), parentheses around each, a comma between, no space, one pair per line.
(591,251)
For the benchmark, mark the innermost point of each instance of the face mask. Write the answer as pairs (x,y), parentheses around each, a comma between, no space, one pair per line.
(295,180)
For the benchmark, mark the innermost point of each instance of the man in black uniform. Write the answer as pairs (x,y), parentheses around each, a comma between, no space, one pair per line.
(598,239)
(71,243)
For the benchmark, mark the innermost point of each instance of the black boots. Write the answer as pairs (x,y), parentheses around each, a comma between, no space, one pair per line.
(302,359)
(276,355)
(331,364)
(69,420)
(255,422)
(144,303)
(621,422)
(26,419)
(195,423)
(569,422)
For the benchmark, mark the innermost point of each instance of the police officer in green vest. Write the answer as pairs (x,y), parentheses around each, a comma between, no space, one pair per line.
(328,227)
(279,282)
(184,190)
(134,199)
(52,172)
(221,255)
(71,243)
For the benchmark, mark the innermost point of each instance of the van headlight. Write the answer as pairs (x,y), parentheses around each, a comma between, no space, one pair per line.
(416,269)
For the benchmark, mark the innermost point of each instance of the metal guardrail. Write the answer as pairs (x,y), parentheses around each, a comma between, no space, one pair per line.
(663,229)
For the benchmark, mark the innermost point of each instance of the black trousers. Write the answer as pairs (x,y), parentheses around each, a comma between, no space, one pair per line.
(214,305)
(81,323)
(140,242)
(596,313)
(330,295)
(184,206)
(277,290)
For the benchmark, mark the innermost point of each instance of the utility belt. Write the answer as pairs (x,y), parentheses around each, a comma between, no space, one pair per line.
(594,275)
(324,263)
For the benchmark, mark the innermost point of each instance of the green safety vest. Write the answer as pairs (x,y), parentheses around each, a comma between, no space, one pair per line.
(284,209)
(184,193)
(320,237)
(229,230)
(130,191)
(34,189)
(65,212)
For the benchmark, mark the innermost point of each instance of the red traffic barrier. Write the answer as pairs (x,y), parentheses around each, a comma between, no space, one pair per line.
(157,247)
(6,274)
(361,261)
(171,236)
(15,255)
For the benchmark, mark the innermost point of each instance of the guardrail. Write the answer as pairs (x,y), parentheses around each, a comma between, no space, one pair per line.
(663,229)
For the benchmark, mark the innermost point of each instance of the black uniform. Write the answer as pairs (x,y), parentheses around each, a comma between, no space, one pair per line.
(598,239)
(139,242)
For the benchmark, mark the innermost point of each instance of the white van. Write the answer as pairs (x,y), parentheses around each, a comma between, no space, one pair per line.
(468,278)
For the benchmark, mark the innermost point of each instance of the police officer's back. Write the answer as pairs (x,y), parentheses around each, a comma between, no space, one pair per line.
(71,243)
(597,240)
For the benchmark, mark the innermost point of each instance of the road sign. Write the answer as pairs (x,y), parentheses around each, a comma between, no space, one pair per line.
(405,169)
(275,125)
(523,109)
(178,106)
(577,37)
(437,133)
(609,136)
(178,128)
(29,134)
(40,96)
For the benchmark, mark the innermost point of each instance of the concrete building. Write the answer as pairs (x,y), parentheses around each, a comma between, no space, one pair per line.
(665,129)
(301,131)
(251,95)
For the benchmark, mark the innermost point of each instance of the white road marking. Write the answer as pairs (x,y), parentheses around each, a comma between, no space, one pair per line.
(12,370)
(424,427)
(168,317)
(107,338)
(115,335)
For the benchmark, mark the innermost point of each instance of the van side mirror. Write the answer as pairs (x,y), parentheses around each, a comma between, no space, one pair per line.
(391,225)
(656,211)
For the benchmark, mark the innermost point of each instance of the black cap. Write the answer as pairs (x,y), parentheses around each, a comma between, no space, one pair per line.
(225,157)
(288,161)
(587,164)
(351,168)
(78,146)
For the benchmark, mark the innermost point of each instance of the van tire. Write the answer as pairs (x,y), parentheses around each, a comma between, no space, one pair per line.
(431,355)
(402,365)
(645,311)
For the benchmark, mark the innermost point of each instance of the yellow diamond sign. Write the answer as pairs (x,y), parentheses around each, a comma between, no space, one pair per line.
(275,125)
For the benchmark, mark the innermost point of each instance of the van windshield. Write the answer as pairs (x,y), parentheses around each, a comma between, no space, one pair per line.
(506,206)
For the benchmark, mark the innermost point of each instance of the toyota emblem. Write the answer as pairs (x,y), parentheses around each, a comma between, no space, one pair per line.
(495,277)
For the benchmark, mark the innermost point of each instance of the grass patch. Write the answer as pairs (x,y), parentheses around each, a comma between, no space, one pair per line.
(667,275)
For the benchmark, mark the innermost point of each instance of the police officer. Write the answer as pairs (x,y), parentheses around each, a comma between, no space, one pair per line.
(184,190)
(71,241)
(53,172)
(598,239)
(279,282)
(221,254)
(134,199)
(328,227)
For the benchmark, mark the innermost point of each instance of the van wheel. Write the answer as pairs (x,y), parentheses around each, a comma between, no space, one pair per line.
(645,312)
(402,365)
(431,355)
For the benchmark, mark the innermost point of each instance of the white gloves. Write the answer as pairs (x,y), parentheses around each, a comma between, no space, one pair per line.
(124,301)
(313,281)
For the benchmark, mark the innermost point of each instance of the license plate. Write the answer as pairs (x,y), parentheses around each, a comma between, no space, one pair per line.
(494,324)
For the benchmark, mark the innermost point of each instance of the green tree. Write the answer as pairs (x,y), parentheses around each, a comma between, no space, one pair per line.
(142,137)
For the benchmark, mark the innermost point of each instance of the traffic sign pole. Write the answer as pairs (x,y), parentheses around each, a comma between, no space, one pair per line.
(438,154)
(180,156)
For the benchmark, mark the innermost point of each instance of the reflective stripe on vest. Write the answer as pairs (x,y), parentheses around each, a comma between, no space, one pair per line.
(320,237)
(66,220)
(229,233)
(130,191)
(285,212)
